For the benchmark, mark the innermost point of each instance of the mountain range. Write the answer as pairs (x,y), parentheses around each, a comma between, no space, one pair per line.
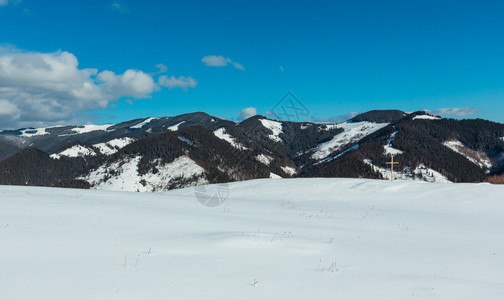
(155,154)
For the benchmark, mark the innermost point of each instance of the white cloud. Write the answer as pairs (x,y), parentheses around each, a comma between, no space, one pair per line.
(7,108)
(120,7)
(131,83)
(247,113)
(177,82)
(161,68)
(48,88)
(454,111)
(220,61)
(6,2)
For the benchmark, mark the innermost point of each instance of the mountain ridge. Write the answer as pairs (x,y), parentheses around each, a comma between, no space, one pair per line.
(214,150)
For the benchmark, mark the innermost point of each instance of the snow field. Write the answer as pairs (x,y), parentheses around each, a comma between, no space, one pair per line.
(271,239)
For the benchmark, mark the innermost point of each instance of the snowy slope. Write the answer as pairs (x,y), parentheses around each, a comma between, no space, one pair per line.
(91,128)
(479,158)
(272,239)
(275,127)
(75,151)
(289,170)
(107,148)
(353,133)
(176,126)
(265,159)
(114,145)
(421,172)
(389,149)
(222,134)
(124,176)
(33,132)
(143,123)
(426,117)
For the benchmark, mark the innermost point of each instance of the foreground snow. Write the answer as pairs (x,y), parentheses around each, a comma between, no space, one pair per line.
(271,239)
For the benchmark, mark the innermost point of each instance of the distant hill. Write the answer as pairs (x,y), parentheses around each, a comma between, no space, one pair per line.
(380,116)
(154,154)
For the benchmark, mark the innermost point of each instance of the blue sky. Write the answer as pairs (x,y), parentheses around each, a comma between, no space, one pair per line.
(337,57)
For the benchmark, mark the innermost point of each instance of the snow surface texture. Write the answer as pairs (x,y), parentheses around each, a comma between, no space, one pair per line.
(353,133)
(123,176)
(479,158)
(175,127)
(223,135)
(275,127)
(91,128)
(74,151)
(426,117)
(114,145)
(272,239)
(421,172)
(142,124)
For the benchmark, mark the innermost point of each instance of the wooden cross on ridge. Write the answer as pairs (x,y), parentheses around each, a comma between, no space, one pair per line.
(392,163)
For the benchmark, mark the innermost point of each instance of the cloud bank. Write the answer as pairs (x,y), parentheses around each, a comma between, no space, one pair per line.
(38,89)
(247,113)
(220,61)
(455,111)
(119,7)
(7,2)
(177,82)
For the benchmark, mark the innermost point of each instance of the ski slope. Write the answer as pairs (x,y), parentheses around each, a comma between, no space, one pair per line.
(271,239)
(353,132)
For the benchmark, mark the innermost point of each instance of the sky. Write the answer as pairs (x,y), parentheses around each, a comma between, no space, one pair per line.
(80,62)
